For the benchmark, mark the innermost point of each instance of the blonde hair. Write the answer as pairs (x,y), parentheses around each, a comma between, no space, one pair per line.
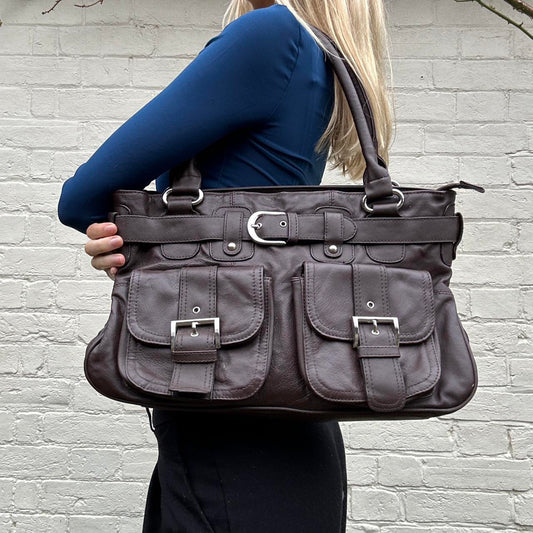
(359,29)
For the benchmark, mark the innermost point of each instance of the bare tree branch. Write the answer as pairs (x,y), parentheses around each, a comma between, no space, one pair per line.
(52,8)
(500,14)
(521,6)
(77,5)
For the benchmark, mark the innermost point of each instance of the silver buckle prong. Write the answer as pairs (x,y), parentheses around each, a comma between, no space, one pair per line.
(252,225)
(194,323)
(374,320)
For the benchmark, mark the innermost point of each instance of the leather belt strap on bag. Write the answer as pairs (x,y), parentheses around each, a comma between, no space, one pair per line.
(195,336)
(288,228)
(376,340)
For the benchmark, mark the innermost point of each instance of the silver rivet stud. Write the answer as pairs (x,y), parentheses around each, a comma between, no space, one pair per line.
(333,248)
(232,246)
(370,304)
(196,310)
(283,223)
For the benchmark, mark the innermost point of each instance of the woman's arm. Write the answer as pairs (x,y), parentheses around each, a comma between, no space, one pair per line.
(237,80)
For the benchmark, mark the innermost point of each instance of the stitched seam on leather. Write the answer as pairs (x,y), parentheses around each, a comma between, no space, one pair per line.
(255,323)
(260,375)
(329,331)
(395,260)
(313,374)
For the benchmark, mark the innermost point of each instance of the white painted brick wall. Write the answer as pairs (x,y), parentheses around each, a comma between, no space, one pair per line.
(74,461)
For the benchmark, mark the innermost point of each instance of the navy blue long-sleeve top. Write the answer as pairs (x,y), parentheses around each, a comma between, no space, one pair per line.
(251,107)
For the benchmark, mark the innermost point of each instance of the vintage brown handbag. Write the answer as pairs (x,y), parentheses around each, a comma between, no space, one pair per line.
(326,302)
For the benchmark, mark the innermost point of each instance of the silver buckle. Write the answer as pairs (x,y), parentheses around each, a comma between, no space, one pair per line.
(252,225)
(194,323)
(375,331)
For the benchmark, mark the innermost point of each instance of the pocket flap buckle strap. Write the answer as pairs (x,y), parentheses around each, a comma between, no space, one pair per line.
(356,320)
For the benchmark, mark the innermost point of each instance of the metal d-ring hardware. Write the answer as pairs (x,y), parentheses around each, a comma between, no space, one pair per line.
(396,192)
(196,201)
(194,323)
(253,225)
(375,331)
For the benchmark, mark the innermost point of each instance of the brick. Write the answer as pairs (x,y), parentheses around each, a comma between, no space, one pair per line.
(489,405)
(186,42)
(495,303)
(7,422)
(39,134)
(475,138)
(373,504)
(11,291)
(424,106)
(105,72)
(521,442)
(492,371)
(481,106)
(65,360)
(521,106)
(522,373)
(411,12)
(524,509)
(118,12)
(41,522)
(362,470)
(156,72)
(423,171)
(139,464)
(40,294)
(107,41)
(15,40)
(28,428)
(497,270)
(182,14)
(15,102)
(482,74)
(90,524)
(86,398)
(33,461)
(92,497)
(398,471)
(485,43)
(39,71)
(84,295)
(16,12)
(412,73)
(44,103)
(474,473)
(26,495)
(39,392)
(424,42)
(102,103)
(45,41)
(464,14)
(489,237)
(486,439)
(522,170)
(475,507)
(38,261)
(14,163)
(408,139)
(94,463)
(399,435)
(513,204)
(82,429)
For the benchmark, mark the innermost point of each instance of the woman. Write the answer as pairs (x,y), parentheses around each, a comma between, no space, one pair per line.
(259,105)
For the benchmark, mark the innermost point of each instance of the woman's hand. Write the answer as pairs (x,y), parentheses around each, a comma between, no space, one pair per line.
(103,242)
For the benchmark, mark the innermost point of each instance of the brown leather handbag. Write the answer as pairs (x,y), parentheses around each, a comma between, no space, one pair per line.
(327,302)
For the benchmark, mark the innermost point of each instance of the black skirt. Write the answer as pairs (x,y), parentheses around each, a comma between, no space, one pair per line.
(220,474)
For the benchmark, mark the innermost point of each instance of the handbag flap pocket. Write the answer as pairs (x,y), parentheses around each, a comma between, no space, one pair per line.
(156,297)
(331,300)
(198,331)
(369,333)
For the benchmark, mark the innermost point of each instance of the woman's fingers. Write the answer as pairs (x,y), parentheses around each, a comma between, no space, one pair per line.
(103,262)
(103,245)
(103,242)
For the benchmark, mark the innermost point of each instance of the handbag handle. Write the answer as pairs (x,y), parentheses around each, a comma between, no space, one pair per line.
(185,178)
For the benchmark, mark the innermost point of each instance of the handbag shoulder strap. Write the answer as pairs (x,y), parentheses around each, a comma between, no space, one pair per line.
(185,178)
